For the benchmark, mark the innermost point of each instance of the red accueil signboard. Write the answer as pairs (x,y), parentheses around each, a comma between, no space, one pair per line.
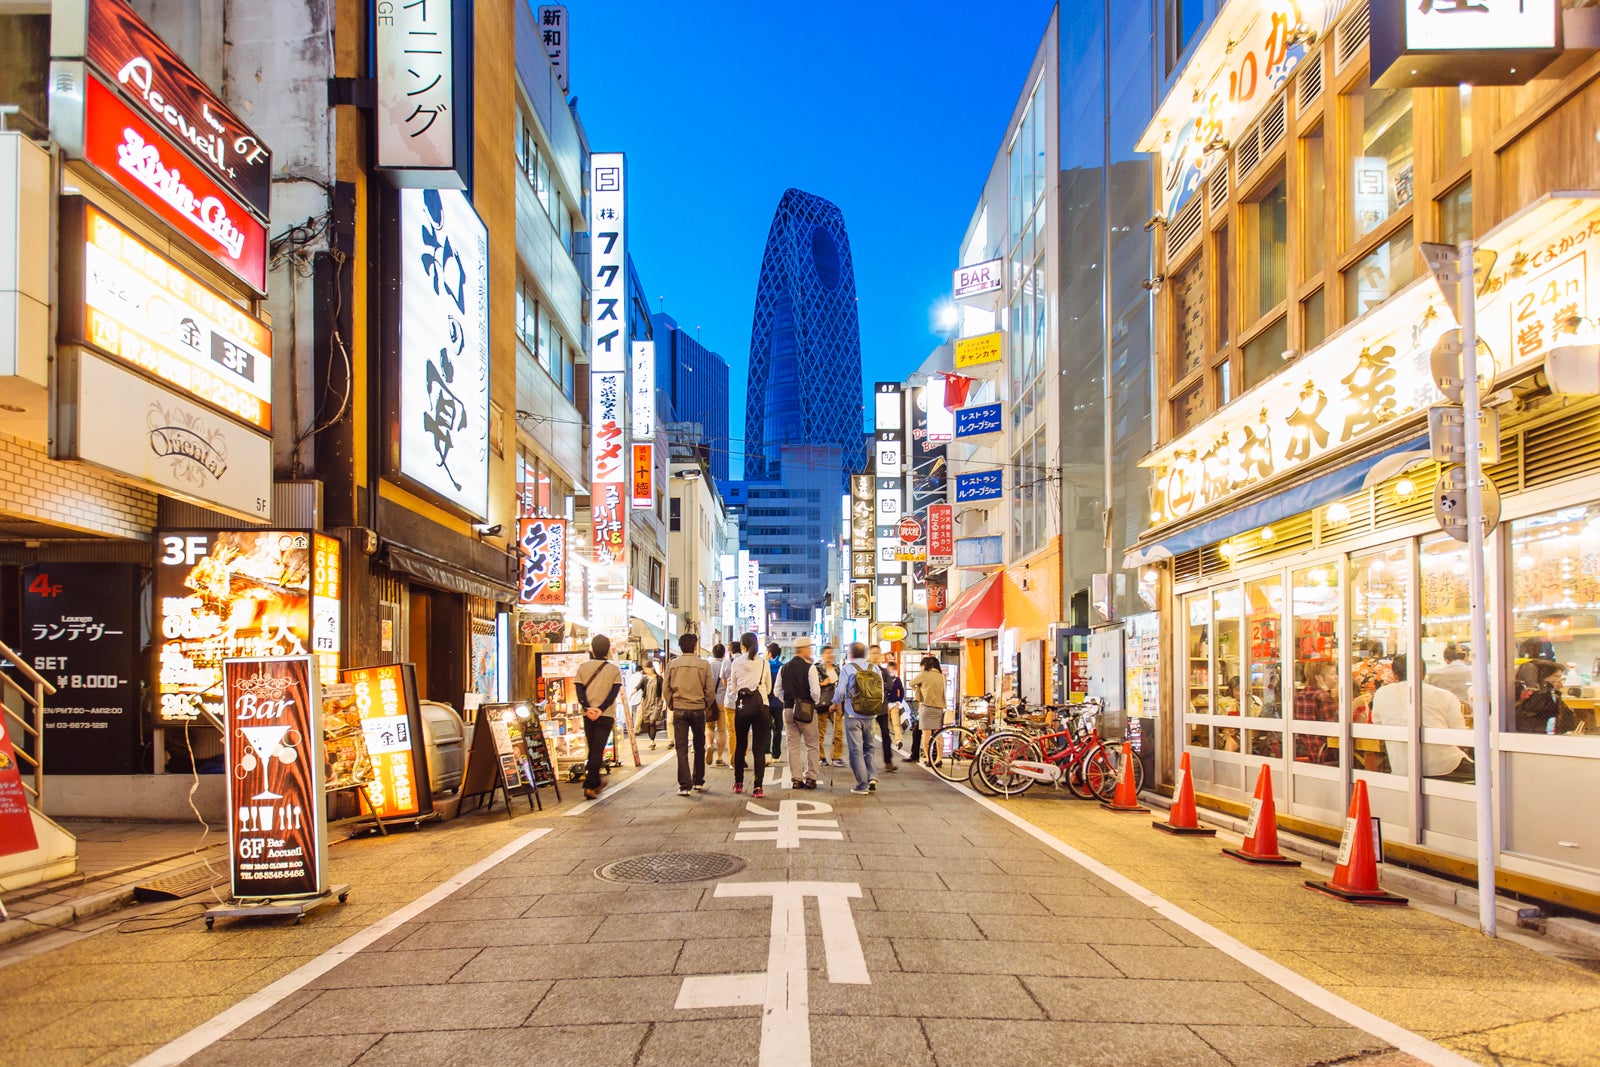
(941,535)
(129,151)
(16,821)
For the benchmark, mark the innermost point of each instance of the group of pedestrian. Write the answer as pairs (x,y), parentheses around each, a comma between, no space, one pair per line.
(739,709)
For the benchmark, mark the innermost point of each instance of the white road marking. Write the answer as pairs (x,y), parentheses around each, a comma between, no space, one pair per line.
(782,990)
(208,1033)
(1411,1043)
(790,824)
(670,756)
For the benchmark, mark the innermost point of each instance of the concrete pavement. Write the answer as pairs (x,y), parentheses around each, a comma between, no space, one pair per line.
(929,931)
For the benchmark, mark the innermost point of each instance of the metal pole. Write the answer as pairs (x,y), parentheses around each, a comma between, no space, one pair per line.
(1482,702)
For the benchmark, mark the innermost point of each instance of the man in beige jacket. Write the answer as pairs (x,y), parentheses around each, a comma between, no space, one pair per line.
(691,693)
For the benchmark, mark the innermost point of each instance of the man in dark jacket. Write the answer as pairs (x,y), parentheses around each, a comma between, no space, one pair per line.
(774,705)
(598,683)
(800,694)
(691,696)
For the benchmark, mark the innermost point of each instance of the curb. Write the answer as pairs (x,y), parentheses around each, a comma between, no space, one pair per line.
(63,915)
(1526,918)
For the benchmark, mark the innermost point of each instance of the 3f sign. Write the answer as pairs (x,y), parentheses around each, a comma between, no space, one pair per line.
(182,551)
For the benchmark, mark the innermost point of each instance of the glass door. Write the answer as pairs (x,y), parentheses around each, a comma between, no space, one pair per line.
(1196,680)
(1383,682)
(1263,711)
(1316,790)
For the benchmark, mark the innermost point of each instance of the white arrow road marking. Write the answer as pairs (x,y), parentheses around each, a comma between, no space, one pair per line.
(790,824)
(782,991)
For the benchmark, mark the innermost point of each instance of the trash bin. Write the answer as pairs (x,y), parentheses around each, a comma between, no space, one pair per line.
(447,746)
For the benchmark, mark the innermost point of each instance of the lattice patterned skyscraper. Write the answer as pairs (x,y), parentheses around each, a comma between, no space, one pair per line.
(805,342)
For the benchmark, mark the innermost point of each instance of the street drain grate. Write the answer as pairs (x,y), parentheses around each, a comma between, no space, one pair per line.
(663,867)
(179,884)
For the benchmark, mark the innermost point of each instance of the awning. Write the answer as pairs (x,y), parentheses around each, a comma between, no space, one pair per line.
(1313,493)
(443,575)
(651,637)
(979,609)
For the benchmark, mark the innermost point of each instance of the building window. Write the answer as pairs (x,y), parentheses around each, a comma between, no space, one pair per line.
(1260,694)
(1313,320)
(1263,353)
(1380,636)
(1313,221)
(1183,20)
(1380,274)
(1554,560)
(1453,134)
(1190,408)
(1455,213)
(1267,218)
(655,578)
(1225,680)
(1189,303)
(1315,609)
(675,513)
(1382,172)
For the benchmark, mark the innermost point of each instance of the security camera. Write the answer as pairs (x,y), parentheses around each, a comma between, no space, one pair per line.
(483,529)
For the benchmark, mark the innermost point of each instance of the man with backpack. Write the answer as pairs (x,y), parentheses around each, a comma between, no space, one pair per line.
(860,694)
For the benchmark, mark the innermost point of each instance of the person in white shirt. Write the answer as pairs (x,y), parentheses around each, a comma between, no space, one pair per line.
(1456,674)
(1391,706)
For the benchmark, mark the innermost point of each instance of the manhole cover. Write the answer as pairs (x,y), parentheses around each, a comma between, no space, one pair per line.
(662,867)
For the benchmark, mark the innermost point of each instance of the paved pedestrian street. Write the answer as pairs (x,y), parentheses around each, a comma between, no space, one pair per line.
(914,926)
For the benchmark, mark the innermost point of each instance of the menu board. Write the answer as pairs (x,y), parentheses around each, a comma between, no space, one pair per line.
(80,631)
(277,835)
(391,719)
(347,764)
(224,594)
(1143,664)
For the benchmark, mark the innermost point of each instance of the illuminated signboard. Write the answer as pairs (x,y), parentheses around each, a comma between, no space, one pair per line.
(1456,42)
(643,409)
(981,420)
(979,485)
(239,594)
(608,333)
(941,535)
(131,152)
(391,720)
(127,300)
(978,279)
(422,59)
(644,475)
(979,351)
(274,744)
(544,561)
(161,86)
(1541,294)
(441,402)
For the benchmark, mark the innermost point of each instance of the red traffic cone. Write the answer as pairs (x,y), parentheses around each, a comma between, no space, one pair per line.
(1261,832)
(1355,876)
(1181,819)
(1127,795)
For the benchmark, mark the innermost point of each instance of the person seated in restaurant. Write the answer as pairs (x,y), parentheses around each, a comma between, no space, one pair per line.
(1455,677)
(1391,706)
(1317,701)
(1540,708)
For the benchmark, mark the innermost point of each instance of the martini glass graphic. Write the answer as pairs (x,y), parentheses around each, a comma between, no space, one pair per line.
(265,741)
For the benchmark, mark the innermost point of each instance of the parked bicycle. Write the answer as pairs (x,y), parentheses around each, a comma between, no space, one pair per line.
(953,748)
(1076,755)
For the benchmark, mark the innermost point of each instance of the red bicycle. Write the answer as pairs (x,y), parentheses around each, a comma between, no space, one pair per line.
(1010,764)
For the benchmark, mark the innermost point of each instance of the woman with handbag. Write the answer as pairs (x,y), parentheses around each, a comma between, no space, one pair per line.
(750,681)
(649,692)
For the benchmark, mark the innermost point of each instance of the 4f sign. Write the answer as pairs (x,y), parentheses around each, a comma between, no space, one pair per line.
(978,279)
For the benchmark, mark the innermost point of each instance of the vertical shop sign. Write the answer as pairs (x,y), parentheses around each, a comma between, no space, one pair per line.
(276,832)
(327,613)
(544,561)
(941,535)
(441,405)
(386,700)
(80,631)
(422,56)
(644,475)
(642,412)
(608,338)
(555,30)
(860,600)
(929,457)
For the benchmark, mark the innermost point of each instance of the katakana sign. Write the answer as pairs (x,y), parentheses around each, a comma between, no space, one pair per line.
(423,55)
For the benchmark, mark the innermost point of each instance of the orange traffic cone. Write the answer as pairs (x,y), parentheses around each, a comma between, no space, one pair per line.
(1181,819)
(1261,832)
(1127,795)
(1355,876)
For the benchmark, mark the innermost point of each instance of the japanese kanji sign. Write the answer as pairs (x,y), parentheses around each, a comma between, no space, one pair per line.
(644,475)
(555,30)
(274,750)
(643,409)
(1454,42)
(544,561)
(386,699)
(941,535)
(423,54)
(608,354)
(443,348)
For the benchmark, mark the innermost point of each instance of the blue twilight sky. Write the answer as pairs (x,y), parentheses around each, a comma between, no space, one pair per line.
(894,111)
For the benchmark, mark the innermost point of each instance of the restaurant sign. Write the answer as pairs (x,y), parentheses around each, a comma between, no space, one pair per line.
(1543,292)
(979,485)
(983,420)
(984,349)
(391,720)
(127,300)
(544,561)
(1456,42)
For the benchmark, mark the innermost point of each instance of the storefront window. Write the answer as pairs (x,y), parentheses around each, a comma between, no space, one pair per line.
(1197,615)
(1228,693)
(1264,664)
(1555,618)
(1269,221)
(1380,274)
(1382,173)
(1380,636)
(1312,221)
(1315,610)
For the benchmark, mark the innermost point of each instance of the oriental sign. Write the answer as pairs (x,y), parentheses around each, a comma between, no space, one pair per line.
(1544,293)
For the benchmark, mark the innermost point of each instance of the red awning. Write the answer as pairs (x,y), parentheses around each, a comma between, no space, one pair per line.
(979,609)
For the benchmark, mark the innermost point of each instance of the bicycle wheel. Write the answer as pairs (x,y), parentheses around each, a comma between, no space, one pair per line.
(952,749)
(1076,782)
(992,766)
(1102,770)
